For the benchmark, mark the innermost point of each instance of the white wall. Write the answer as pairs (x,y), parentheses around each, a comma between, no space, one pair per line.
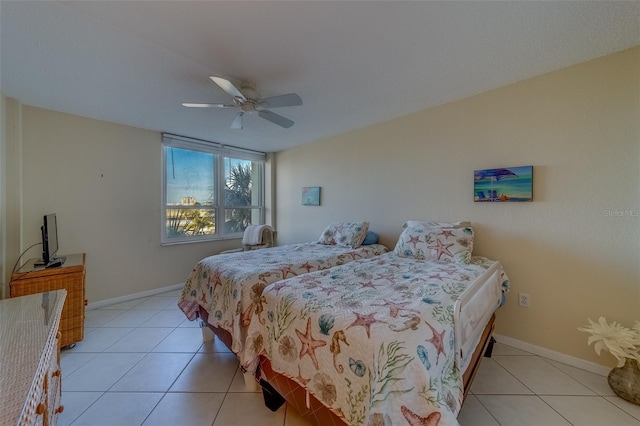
(575,249)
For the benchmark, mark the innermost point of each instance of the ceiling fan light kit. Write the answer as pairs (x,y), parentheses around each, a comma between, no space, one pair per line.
(248,100)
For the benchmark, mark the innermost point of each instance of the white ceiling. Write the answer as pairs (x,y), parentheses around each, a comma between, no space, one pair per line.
(353,63)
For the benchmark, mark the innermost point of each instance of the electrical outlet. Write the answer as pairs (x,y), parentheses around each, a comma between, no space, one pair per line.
(524,300)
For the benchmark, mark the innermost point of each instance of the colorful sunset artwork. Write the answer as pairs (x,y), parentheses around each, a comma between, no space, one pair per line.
(511,184)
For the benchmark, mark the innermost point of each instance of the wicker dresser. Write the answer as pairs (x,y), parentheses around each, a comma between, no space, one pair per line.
(30,386)
(70,276)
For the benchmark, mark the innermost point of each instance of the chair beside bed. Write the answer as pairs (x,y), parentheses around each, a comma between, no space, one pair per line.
(394,339)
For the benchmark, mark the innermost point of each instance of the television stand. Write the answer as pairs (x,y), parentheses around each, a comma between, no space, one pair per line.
(70,276)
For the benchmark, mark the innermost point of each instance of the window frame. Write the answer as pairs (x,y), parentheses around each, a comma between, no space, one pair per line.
(220,153)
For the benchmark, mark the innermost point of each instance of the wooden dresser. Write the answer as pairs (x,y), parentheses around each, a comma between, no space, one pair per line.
(30,279)
(30,383)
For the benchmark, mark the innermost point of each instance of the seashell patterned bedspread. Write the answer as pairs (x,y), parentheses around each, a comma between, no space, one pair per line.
(229,286)
(373,339)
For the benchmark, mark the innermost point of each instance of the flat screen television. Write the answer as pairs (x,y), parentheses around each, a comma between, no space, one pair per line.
(50,246)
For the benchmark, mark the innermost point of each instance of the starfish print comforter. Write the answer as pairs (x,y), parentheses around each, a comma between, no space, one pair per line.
(229,286)
(373,340)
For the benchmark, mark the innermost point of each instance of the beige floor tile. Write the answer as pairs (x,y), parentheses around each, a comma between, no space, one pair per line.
(491,378)
(119,408)
(626,406)
(521,410)
(474,414)
(97,317)
(101,372)
(192,409)
(215,345)
(156,372)
(589,410)
(165,318)
(181,340)
(188,323)
(540,376)
(131,318)
(99,339)
(207,373)
(140,340)
(71,361)
(75,403)
(595,382)
(253,411)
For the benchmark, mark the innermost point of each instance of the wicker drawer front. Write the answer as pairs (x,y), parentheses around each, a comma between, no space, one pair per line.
(55,389)
(30,382)
(41,397)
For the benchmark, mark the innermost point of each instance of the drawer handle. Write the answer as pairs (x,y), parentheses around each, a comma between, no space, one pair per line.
(60,409)
(40,408)
(56,373)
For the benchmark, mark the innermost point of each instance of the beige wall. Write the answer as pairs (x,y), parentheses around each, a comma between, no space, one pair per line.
(575,249)
(103,182)
(11,186)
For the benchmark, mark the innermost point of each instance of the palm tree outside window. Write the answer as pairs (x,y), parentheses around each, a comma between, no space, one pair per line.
(210,191)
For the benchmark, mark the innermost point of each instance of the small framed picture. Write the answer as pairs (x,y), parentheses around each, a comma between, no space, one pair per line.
(510,184)
(310,195)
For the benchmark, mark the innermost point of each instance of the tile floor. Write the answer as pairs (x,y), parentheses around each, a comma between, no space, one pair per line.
(142,363)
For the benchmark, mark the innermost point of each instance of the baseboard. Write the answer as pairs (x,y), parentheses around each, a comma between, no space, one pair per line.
(128,297)
(553,355)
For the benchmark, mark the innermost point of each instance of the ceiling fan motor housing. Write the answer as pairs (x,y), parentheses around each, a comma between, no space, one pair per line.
(249,100)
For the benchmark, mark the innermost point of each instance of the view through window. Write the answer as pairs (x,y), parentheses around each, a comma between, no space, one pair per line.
(210,191)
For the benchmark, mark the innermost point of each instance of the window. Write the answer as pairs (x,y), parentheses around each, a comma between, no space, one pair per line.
(210,191)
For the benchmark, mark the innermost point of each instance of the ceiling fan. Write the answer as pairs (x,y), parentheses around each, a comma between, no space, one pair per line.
(249,101)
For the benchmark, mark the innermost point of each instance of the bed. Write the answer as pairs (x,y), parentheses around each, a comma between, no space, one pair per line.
(225,290)
(393,339)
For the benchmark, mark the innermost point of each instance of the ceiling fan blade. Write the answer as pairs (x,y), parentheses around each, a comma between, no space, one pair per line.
(291,99)
(191,105)
(275,118)
(228,87)
(238,122)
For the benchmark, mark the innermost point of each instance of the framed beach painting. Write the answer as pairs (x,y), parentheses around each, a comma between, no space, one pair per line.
(511,184)
(311,196)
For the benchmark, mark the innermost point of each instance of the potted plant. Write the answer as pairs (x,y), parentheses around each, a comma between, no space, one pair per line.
(624,344)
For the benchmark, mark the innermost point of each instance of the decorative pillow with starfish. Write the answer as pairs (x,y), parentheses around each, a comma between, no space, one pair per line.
(346,234)
(446,245)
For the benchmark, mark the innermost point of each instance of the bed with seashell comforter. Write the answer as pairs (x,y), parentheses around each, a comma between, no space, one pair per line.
(388,340)
(225,290)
